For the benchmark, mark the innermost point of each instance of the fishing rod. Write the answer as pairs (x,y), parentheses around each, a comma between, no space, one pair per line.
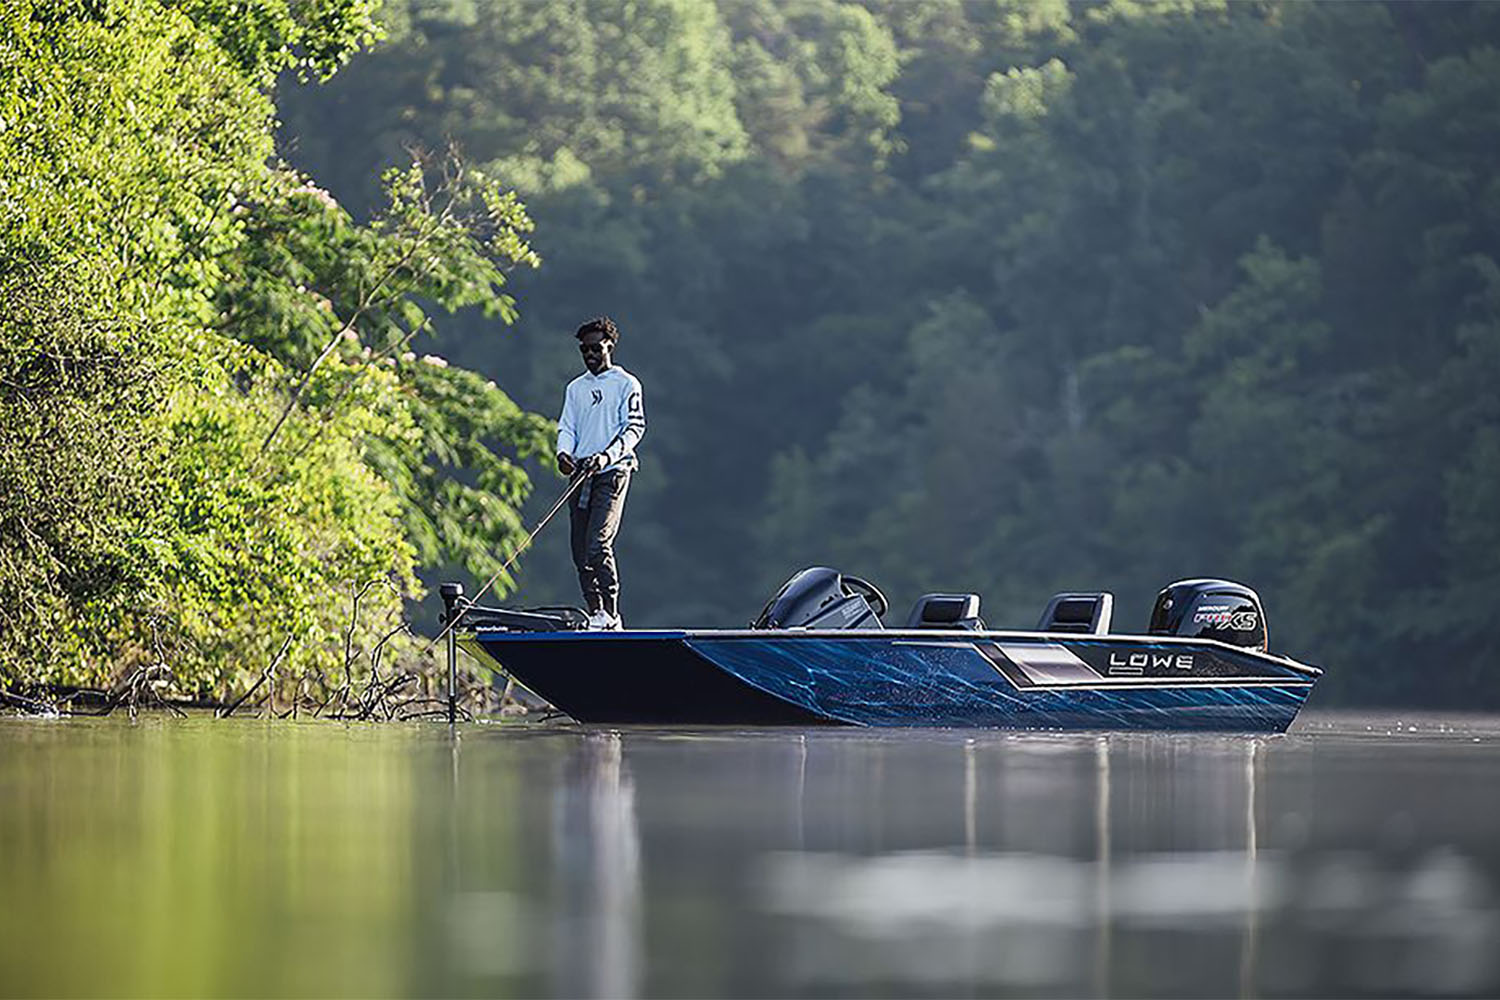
(578,478)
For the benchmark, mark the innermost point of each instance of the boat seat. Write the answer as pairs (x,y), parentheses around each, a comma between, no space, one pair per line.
(1086,613)
(948,611)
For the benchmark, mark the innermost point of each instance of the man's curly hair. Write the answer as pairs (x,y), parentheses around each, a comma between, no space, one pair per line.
(604,325)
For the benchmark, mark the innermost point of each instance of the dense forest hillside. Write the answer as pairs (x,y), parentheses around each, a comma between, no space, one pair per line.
(1003,296)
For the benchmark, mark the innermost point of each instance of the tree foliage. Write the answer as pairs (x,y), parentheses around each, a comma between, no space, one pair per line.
(214,423)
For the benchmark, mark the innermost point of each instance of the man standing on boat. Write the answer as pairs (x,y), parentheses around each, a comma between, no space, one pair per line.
(603,419)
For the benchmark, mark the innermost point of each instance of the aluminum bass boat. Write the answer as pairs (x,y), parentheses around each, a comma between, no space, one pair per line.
(820,654)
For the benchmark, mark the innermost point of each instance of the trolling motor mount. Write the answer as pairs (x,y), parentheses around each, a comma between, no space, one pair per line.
(543,619)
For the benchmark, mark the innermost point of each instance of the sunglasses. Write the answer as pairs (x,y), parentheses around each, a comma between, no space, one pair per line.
(591,348)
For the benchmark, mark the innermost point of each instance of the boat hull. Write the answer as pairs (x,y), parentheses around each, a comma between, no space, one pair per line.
(889,678)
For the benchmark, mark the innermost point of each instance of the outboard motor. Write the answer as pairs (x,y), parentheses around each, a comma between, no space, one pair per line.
(1211,609)
(819,597)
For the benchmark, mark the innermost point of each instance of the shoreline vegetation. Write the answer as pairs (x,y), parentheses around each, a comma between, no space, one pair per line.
(365,690)
(227,442)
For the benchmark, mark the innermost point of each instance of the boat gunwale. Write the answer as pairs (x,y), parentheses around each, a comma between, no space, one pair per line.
(969,635)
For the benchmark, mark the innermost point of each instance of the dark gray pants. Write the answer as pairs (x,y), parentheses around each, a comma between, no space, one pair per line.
(595,512)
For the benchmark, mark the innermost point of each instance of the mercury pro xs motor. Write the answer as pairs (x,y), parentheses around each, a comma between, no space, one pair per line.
(1211,609)
(819,597)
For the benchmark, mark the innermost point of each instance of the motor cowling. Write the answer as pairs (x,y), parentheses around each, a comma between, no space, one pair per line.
(820,598)
(1211,609)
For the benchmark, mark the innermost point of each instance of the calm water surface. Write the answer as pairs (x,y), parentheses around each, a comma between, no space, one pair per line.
(1358,855)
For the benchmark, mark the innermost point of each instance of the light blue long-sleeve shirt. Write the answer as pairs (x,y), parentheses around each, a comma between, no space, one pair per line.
(603,412)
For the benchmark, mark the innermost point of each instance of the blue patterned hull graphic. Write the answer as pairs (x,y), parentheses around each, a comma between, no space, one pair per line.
(901,678)
(982,683)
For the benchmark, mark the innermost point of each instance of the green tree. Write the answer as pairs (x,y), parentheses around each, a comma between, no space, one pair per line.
(214,426)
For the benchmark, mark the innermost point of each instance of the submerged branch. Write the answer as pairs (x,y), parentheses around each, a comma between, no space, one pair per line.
(265,675)
(32,706)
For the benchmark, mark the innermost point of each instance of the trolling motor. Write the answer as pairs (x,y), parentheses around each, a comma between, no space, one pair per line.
(453,609)
(544,619)
(458,609)
(1211,609)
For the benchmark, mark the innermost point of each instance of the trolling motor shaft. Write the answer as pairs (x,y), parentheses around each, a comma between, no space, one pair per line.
(453,609)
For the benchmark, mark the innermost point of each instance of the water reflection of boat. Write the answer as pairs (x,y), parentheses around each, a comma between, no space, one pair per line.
(819,653)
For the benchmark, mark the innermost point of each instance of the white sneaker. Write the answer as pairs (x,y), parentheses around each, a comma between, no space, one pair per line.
(603,621)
